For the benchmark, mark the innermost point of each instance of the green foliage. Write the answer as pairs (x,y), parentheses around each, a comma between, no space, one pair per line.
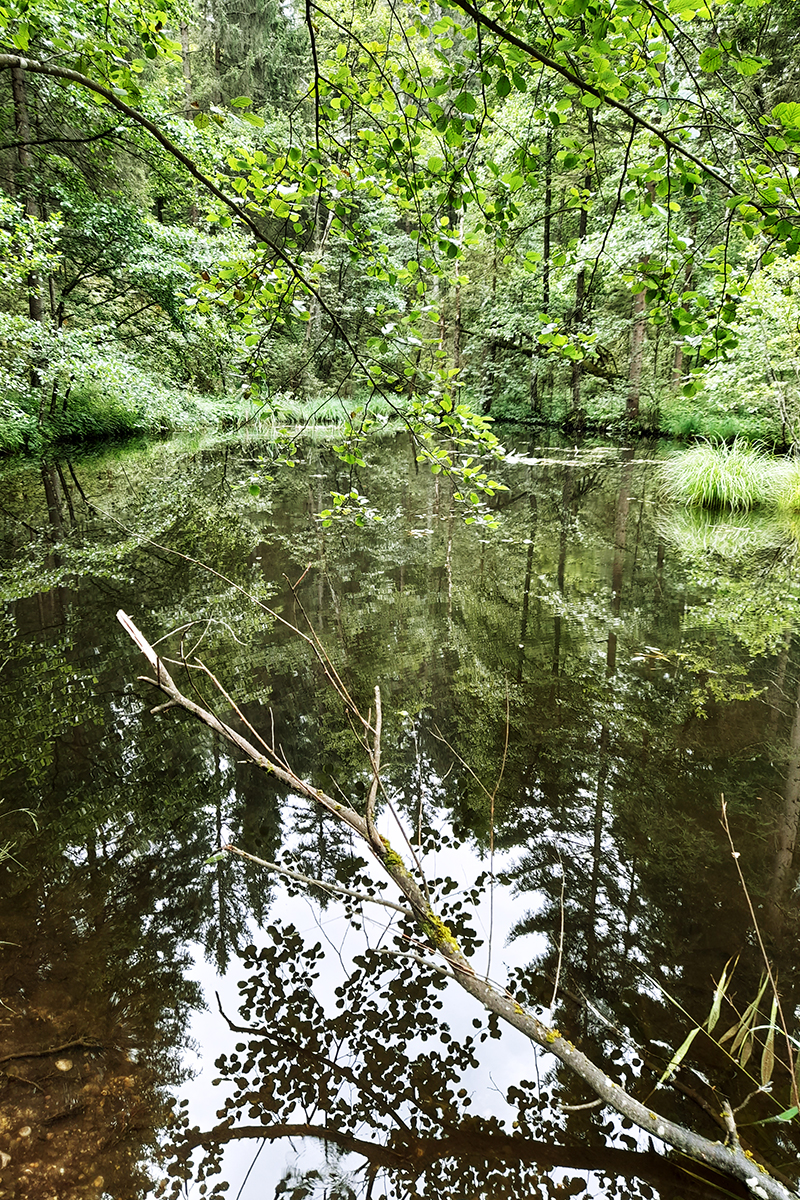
(734,476)
(387,204)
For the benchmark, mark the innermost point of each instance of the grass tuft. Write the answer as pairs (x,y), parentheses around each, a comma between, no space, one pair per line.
(719,475)
(787,485)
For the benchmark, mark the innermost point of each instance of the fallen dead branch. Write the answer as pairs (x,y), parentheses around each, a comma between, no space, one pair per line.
(729,1158)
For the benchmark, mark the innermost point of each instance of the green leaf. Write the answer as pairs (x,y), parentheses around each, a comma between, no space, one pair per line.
(747,65)
(788,114)
(465,102)
(768,1056)
(503,86)
(253,119)
(241,102)
(719,992)
(679,1054)
(711,59)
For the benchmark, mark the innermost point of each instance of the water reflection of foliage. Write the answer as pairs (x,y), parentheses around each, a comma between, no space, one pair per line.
(743,568)
(607,765)
(378,1079)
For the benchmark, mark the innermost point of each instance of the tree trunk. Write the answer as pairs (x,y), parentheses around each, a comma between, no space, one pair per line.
(186,62)
(677,365)
(25,186)
(189,107)
(548,217)
(580,305)
(786,833)
(536,390)
(457,331)
(637,357)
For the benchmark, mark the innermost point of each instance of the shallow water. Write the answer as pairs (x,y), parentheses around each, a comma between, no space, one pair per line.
(571,693)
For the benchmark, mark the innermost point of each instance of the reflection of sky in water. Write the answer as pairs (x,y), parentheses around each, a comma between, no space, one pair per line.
(512,1057)
(381,604)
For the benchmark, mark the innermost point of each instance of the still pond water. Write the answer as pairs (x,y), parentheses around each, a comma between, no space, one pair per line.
(566,699)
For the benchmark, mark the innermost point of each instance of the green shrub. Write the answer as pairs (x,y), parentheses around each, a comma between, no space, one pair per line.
(720,475)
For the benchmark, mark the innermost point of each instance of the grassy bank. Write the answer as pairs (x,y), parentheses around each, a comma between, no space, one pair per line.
(95,415)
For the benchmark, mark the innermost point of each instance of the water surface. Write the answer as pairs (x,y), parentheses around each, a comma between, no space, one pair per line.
(566,699)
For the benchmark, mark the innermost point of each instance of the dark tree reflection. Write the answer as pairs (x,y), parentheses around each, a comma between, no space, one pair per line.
(378,1081)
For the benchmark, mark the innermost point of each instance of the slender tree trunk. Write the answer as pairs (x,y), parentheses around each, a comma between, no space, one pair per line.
(489,360)
(217,72)
(786,833)
(189,108)
(637,357)
(536,391)
(548,217)
(604,751)
(677,365)
(580,305)
(25,188)
(561,571)
(526,587)
(457,332)
(186,61)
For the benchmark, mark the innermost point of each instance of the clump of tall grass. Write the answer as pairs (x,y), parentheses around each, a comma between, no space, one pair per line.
(787,485)
(736,476)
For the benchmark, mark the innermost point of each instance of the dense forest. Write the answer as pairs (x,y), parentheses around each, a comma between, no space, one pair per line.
(580,212)
(409,222)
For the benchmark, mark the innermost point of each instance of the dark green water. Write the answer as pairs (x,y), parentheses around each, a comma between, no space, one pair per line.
(576,690)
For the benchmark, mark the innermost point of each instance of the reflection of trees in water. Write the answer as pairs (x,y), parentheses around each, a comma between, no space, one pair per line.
(378,1080)
(93,1006)
(609,769)
(108,890)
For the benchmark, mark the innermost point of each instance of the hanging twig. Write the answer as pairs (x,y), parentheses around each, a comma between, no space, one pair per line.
(335,888)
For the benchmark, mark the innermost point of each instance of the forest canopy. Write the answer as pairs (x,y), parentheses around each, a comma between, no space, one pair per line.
(572,211)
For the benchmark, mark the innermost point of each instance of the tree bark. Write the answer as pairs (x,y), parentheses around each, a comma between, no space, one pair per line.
(25,187)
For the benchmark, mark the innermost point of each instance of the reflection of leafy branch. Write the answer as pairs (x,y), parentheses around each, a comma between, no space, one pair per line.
(730,1159)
